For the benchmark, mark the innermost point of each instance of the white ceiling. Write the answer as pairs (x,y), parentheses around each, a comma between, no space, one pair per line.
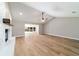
(32,10)
(57,9)
(30,15)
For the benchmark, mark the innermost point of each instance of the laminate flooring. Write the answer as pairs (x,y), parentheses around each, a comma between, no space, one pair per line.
(45,45)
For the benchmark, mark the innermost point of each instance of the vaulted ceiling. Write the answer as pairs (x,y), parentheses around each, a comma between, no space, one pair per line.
(22,12)
(31,11)
(57,9)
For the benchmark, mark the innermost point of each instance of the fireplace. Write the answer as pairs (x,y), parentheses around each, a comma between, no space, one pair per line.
(6,35)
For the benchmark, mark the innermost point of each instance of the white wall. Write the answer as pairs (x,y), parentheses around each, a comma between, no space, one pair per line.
(41,29)
(64,27)
(18,28)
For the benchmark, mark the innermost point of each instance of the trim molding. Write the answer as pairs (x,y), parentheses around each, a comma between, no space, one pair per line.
(63,36)
(19,35)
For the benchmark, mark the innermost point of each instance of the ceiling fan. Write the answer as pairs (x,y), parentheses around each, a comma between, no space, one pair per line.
(46,17)
(43,17)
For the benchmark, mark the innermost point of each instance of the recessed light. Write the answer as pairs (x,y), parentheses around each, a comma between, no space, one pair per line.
(20,13)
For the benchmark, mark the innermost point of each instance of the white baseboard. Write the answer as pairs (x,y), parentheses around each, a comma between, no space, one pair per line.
(63,36)
(19,35)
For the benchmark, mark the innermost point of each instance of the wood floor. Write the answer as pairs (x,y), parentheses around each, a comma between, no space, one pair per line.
(44,45)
